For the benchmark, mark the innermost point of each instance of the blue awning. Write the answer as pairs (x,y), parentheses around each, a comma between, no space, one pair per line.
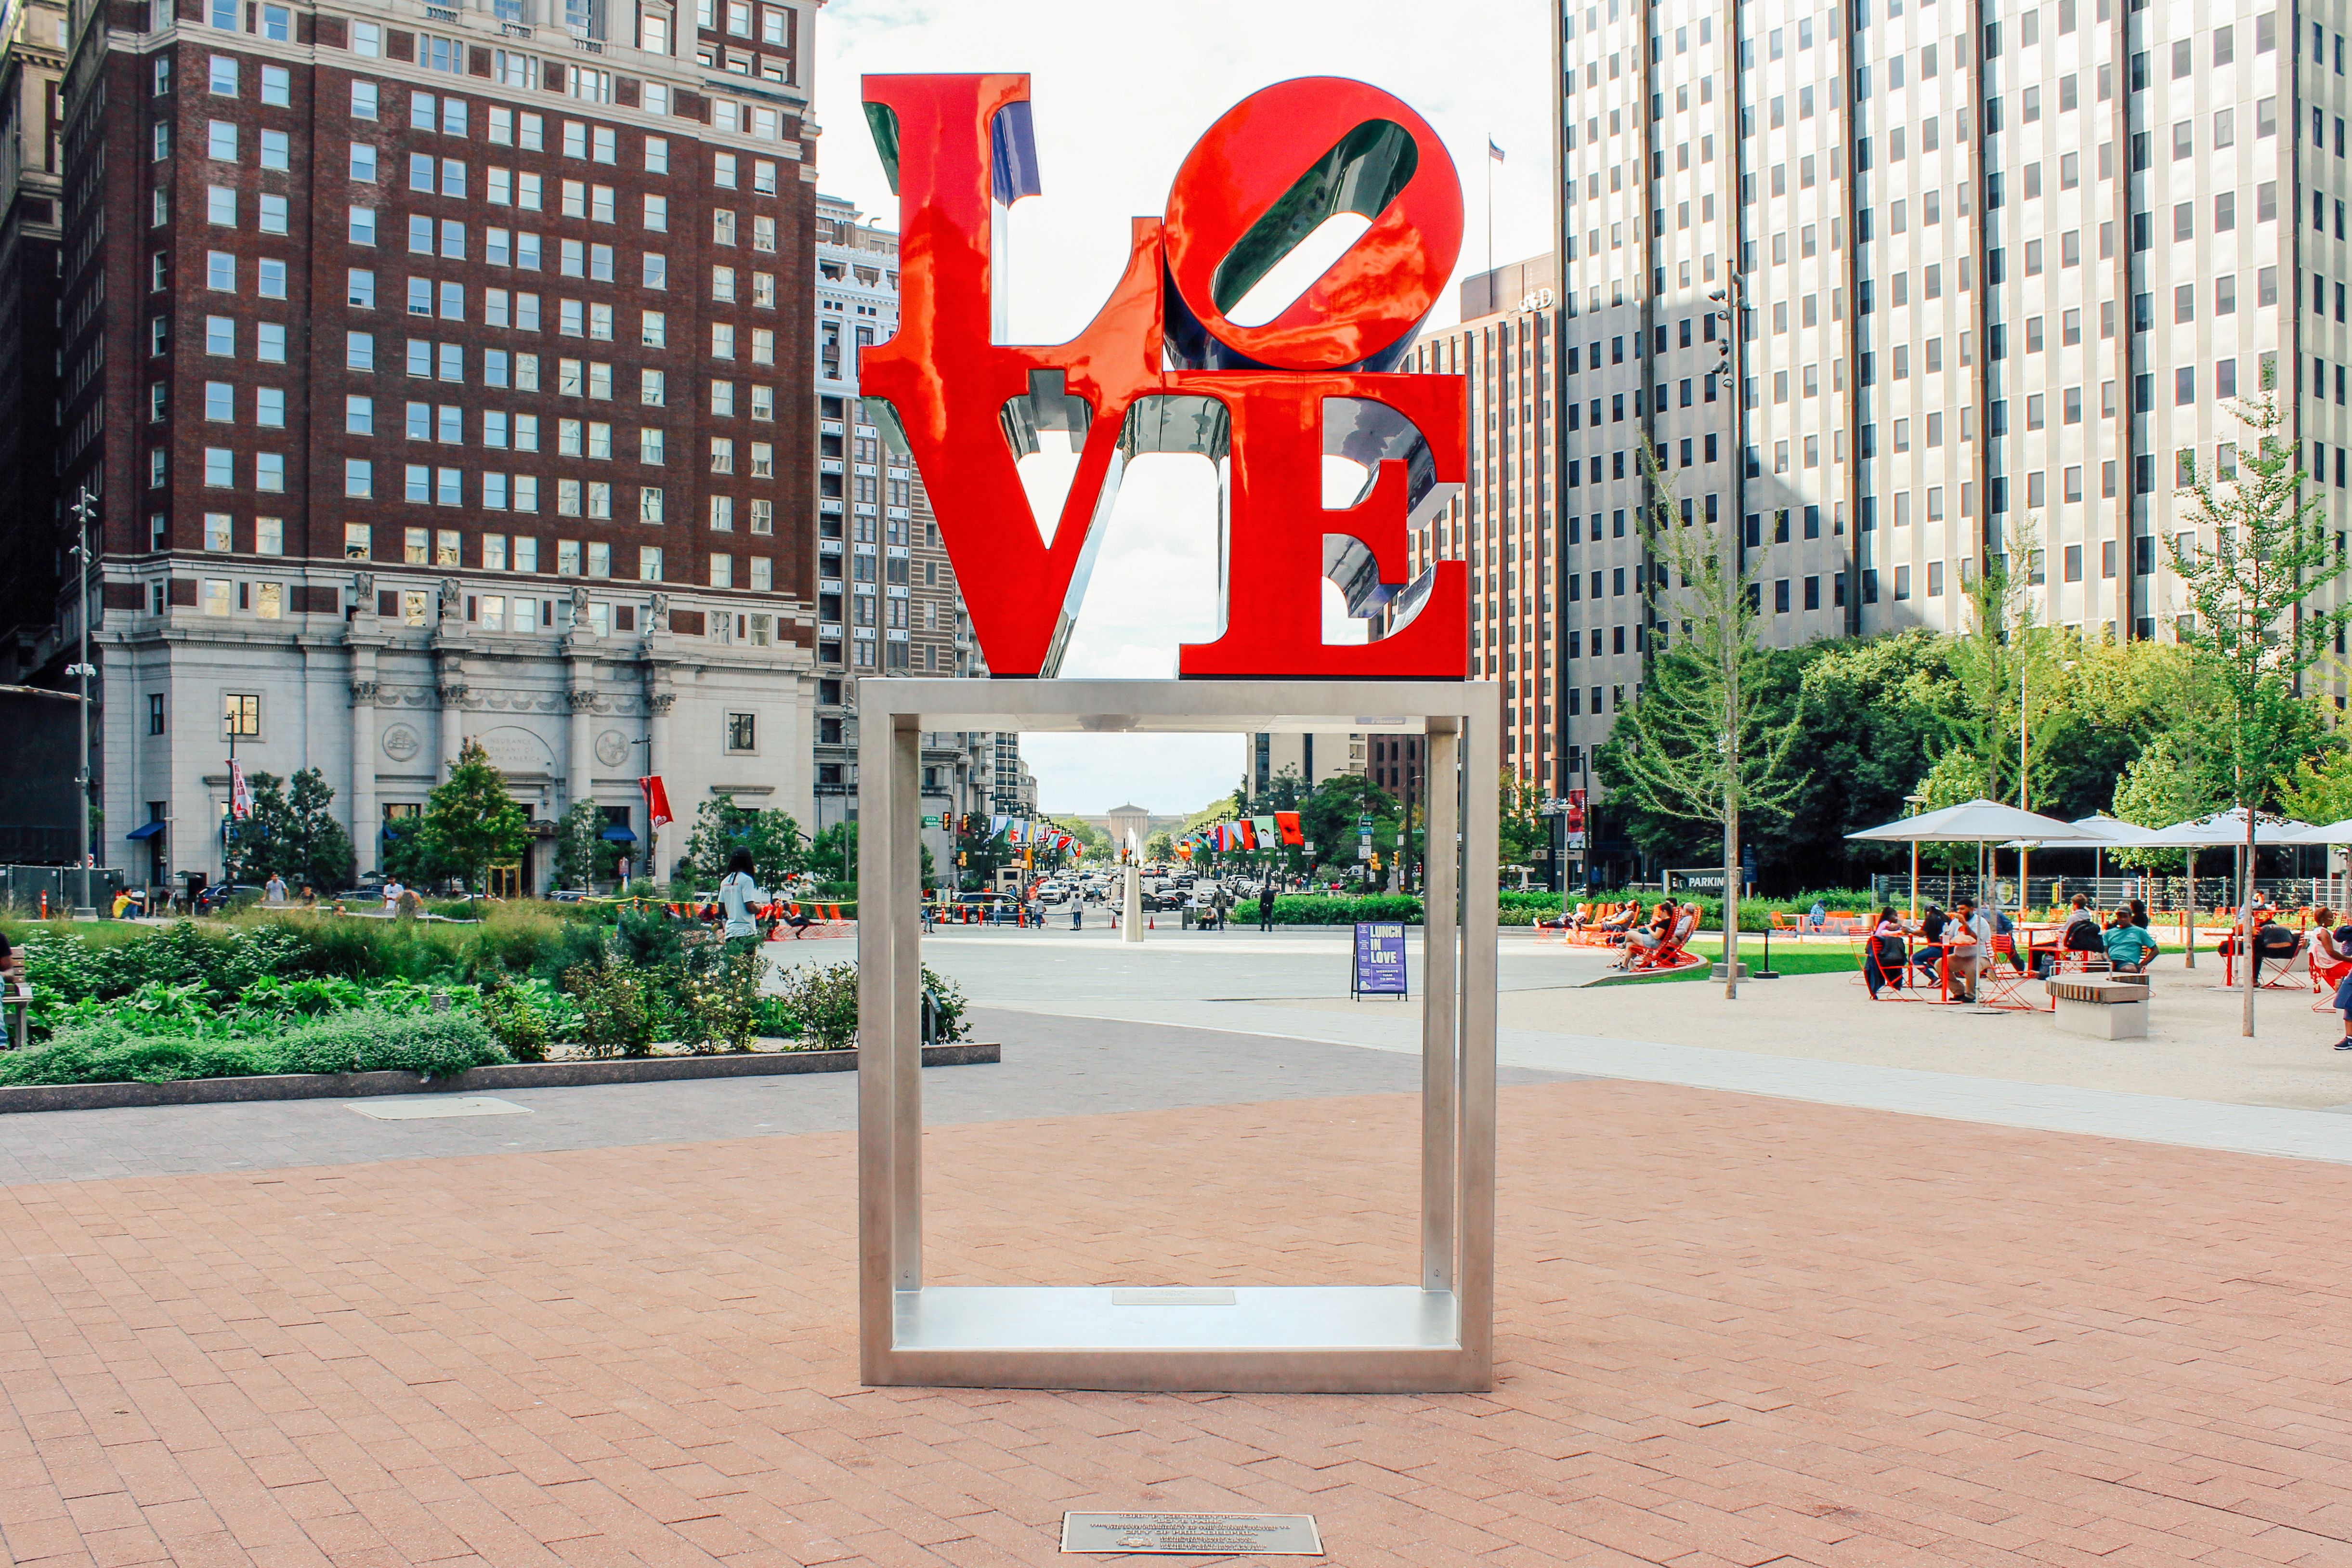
(619,835)
(147,830)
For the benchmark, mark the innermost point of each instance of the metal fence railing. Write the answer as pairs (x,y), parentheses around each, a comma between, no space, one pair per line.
(2161,893)
(21,887)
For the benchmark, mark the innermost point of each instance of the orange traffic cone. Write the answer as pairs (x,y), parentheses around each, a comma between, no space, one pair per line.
(1151,923)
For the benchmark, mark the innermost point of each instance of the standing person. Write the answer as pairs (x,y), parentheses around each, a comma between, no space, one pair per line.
(1218,903)
(274,890)
(391,891)
(738,894)
(1266,905)
(12,975)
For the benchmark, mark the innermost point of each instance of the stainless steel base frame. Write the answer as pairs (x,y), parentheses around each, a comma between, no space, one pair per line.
(1434,1335)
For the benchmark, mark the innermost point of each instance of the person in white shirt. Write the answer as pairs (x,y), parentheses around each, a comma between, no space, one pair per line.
(275,888)
(391,891)
(738,894)
(1971,946)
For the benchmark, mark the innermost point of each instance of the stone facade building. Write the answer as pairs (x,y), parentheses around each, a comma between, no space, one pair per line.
(443,374)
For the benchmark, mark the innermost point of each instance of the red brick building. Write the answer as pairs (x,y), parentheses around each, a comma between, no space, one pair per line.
(443,374)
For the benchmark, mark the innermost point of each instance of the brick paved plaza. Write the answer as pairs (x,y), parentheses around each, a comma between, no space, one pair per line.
(1732,1329)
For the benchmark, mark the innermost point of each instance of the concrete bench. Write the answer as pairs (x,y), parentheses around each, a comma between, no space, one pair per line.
(2102,1007)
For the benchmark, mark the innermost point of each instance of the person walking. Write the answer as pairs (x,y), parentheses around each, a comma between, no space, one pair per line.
(1265,905)
(739,895)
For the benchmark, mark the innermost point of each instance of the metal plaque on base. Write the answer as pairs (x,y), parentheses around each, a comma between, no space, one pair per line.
(1195,1534)
(1430,1335)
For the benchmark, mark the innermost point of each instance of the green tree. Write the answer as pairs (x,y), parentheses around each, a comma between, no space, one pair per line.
(1523,832)
(2320,789)
(1331,813)
(2253,623)
(292,833)
(832,854)
(468,825)
(779,848)
(1705,742)
(1159,847)
(582,855)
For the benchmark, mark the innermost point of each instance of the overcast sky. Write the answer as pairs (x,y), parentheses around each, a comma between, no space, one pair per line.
(1119,95)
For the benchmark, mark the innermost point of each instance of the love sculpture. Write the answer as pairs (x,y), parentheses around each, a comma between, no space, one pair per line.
(1164,368)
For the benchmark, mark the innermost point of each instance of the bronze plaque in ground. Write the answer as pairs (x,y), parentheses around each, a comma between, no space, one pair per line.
(1233,1534)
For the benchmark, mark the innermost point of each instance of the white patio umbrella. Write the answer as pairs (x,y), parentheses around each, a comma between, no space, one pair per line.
(1978,822)
(2333,834)
(2230,828)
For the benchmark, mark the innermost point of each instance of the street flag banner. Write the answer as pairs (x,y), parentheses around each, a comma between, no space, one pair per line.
(1248,830)
(657,801)
(1286,824)
(997,825)
(1016,832)
(240,794)
(1267,833)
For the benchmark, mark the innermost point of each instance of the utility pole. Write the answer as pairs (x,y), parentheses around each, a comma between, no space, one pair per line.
(84,508)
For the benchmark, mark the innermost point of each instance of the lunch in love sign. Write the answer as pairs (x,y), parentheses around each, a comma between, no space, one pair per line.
(1164,368)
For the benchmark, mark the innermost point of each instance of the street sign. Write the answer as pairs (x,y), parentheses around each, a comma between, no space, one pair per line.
(930,822)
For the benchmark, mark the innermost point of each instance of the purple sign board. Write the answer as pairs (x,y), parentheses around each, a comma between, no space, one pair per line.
(1379,960)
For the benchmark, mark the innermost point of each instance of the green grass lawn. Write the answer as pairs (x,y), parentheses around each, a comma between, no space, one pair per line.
(1788,958)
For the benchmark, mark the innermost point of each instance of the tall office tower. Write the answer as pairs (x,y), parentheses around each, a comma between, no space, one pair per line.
(1998,272)
(1504,521)
(443,374)
(887,597)
(32,67)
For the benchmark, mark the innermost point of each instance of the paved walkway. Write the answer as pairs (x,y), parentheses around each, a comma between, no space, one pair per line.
(1051,1066)
(1813,1037)
(1732,1329)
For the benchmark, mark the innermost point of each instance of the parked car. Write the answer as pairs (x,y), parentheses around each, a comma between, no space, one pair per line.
(223,895)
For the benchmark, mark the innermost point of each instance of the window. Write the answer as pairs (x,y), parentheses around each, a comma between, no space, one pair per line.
(220,207)
(220,140)
(218,532)
(220,468)
(241,711)
(359,350)
(358,478)
(269,407)
(363,228)
(742,731)
(222,76)
(358,415)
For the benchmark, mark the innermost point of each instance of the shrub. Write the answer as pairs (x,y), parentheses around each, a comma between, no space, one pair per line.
(435,1044)
(1316,909)
(719,1003)
(522,1028)
(616,1008)
(820,1006)
(948,1008)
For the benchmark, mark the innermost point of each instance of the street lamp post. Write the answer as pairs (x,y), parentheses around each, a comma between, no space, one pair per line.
(84,508)
(1915,802)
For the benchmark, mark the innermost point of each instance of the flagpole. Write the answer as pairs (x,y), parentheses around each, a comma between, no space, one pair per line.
(1490,218)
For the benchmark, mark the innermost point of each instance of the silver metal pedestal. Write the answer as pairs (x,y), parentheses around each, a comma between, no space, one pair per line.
(1433,1335)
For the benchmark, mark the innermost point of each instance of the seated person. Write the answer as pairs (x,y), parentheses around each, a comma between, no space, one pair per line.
(2326,950)
(1883,961)
(2130,947)
(1817,917)
(2081,931)
(1930,952)
(1968,940)
(2271,940)
(1617,924)
(1651,937)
